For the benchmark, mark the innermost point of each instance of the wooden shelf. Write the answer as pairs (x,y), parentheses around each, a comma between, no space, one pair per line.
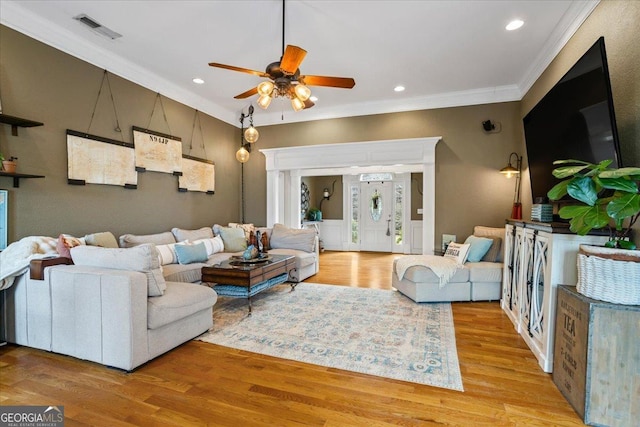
(16,122)
(16,177)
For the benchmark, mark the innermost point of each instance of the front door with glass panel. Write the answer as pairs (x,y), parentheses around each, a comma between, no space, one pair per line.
(376,210)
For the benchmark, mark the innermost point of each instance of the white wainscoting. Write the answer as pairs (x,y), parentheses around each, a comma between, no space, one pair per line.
(332,234)
(416,237)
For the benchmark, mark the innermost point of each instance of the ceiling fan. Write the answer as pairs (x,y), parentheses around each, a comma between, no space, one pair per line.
(285,79)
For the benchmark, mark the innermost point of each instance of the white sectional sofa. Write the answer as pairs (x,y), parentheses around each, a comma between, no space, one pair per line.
(118,306)
(472,281)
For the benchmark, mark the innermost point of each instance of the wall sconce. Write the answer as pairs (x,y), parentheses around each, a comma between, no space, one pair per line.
(251,135)
(326,195)
(509,171)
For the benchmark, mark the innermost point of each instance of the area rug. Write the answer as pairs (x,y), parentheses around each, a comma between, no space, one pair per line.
(371,331)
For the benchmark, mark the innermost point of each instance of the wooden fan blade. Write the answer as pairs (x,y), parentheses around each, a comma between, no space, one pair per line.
(308,104)
(242,70)
(292,58)
(340,82)
(250,92)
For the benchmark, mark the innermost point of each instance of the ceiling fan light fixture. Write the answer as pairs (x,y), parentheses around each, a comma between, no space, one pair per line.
(302,92)
(251,134)
(297,104)
(265,88)
(264,101)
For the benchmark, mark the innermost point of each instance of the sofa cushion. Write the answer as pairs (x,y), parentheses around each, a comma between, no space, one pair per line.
(105,239)
(479,247)
(179,301)
(131,240)
(494,252)
(201,233)
(482,231)
(423,274)
(485,272)
(283,237)
(187,273)
(143,258)
(234,239)
(189,254)
(303,259)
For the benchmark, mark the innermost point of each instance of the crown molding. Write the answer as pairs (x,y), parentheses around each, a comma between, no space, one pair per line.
(22,20)
(573,18)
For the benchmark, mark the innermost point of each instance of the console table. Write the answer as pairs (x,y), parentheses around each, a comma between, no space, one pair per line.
(538,257)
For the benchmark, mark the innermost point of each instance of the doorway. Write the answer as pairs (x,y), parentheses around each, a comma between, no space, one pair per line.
(376,217)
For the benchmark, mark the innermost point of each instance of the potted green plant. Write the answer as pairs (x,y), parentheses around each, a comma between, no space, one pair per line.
(8,165)
(314,214)
(609,198)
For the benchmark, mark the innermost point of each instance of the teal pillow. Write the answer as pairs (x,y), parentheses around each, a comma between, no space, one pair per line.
(188,254)
(479,247)
(234,239)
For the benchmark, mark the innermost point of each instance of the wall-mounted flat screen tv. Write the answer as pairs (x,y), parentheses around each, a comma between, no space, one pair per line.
(575,120)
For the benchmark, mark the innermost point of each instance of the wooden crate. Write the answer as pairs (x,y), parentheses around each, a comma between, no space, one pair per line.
(597,358)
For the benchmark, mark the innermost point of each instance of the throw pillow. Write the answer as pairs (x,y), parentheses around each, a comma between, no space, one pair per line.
(494,252)
(479,247)
(283,237)
(188,254)
(234,239)
(248,228)
(105,239)
(65,243)
(131,240)
(213,245)
(483,231)
(167,253)
(201,233)
(143,258)
(457,251)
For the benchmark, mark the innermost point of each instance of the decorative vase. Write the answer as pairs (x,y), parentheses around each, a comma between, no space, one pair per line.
(9,166)
(609,274)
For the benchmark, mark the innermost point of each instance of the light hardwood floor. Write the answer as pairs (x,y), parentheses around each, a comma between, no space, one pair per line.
(204,384)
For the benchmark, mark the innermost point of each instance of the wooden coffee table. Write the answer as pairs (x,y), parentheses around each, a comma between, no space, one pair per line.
(237,278)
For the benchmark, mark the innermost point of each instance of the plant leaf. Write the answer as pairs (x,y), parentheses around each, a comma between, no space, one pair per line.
(616,173)
(567,171)
(576,215)
(558,191)
(626,244)
(583,189)
(620,184)
(624,207)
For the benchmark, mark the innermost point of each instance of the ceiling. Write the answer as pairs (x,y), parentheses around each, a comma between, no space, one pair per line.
(446,53)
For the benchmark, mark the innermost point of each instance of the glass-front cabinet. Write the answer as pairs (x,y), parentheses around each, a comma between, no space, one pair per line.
(538,258)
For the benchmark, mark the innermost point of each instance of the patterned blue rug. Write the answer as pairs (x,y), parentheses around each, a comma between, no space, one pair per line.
(371,331)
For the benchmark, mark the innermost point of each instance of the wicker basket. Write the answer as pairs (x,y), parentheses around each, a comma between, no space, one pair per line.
(611,275)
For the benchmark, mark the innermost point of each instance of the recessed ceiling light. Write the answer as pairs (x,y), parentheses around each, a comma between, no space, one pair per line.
(198,80)
(314,98)
(514,25)
(398,88)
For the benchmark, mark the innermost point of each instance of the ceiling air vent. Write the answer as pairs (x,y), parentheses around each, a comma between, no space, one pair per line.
(97,27)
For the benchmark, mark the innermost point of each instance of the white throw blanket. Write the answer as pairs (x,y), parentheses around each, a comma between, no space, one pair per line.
(15,259)
(441,266)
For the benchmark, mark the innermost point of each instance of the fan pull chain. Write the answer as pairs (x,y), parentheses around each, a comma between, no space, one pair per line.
(105,76)
(164,114)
